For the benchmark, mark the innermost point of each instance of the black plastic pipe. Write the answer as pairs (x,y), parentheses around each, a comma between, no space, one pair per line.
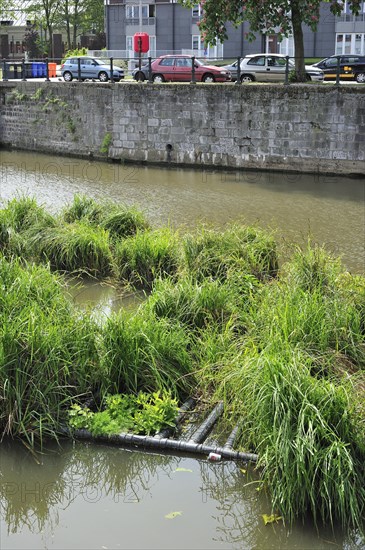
(201,433)
(231,438)
(149,442)
(188,405)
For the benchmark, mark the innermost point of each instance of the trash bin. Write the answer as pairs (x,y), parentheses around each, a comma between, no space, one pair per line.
(12,70)
(52,70)
(28,70)
(43,69)
(33,69)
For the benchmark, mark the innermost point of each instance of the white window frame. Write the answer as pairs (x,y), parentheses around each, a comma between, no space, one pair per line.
(340,47)
(196,11)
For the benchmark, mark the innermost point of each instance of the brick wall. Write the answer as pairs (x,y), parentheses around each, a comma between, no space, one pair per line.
(303,128)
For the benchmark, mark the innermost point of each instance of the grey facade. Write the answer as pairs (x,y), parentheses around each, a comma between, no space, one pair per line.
(173,29)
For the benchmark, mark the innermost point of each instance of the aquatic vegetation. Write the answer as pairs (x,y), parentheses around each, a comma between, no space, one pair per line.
(209,253)
(19,220)
(147,256)
(142,413)
(141,352)
(120,220)
(47,352)
(284,348)
(75,247)
(124,222)
(295,380)
(195,305)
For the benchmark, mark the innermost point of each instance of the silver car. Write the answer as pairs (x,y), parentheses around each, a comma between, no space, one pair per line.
(90,68)
(265,67)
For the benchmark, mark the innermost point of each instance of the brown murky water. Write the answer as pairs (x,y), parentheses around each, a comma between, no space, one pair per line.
(85,496)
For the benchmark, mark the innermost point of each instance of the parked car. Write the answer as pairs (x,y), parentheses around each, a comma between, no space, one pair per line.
(352,67)
(266,67)
(178,68)
(91,68)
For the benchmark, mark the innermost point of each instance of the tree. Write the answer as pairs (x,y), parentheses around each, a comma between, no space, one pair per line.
(80,17)
(6,7)
(44,13)
(281,17)
(32,43)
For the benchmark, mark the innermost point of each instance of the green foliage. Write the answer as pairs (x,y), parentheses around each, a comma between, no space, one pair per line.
(19,220)
(124,222)
(119,220)
(47,351)
(77,52)
(147,256)
(142,414)
(79,417)
(75,247)
(284,348)
(215,254)
(83,208)
(195,305)
(145,353)
(297,379)
(104,147)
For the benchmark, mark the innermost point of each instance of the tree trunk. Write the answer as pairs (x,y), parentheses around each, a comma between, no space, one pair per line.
(298,41)
(68,26)
(76,20)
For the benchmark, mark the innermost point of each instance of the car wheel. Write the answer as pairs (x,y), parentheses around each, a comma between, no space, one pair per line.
(308,78)
(360,77)
(140,77)
(247,78)
(158,78)
(67,76)
(208,78)
(103,77)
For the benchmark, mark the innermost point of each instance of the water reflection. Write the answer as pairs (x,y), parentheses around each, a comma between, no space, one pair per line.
(88,496)
(101,298)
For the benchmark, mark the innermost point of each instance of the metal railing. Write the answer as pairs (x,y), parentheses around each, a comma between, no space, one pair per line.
(143,71)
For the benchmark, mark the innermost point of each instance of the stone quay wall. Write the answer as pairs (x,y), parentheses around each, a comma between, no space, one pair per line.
(299,128)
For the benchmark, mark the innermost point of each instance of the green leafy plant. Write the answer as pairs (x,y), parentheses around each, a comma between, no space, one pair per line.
(79,417)
(142,413)
(104,148)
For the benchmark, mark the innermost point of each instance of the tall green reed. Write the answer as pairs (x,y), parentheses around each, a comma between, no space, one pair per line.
(210,253)
(141,352)
(75,247)
(120,220)
(147,256)
(48,352)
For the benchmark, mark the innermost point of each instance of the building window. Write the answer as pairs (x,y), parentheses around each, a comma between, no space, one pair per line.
(132,11)
(196,11)
(359,43)
(339,42)
(196,42)
(352,43)
(129,43)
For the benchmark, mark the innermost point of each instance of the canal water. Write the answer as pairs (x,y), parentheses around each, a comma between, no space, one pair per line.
(85,496)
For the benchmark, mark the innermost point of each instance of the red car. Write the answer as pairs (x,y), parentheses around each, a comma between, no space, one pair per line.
(178,68)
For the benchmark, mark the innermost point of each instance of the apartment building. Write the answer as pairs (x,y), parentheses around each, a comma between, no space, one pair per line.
(174,29)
